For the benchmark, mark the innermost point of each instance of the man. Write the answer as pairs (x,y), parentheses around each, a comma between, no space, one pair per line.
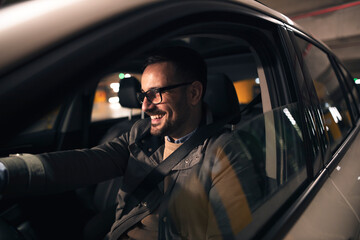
(191,200)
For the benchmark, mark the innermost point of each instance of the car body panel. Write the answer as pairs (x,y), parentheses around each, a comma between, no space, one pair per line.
(34,64)
(334,211)
(339,222)
(80,14)
(346,177)
(18,23)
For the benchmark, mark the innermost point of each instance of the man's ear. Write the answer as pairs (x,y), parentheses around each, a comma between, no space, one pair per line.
(196,90)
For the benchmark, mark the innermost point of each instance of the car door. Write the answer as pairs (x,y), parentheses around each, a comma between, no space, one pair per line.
(335,113)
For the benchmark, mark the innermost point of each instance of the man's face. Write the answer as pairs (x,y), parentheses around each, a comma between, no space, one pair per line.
(170,117)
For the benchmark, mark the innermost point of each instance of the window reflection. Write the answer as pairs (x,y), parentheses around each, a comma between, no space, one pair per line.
(337,118)
(248,167)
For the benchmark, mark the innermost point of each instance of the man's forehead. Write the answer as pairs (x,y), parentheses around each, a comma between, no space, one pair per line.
(158,75)
(165,67)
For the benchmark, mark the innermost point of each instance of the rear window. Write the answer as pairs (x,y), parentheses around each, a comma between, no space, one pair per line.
(353,91)
(333,103)
(106,101)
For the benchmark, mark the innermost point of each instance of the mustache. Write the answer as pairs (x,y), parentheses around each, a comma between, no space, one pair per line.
(154,112)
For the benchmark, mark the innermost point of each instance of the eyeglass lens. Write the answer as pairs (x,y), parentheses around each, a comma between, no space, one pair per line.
(153,95)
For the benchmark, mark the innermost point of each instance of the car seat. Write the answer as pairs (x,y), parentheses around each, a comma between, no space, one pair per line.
(221,98)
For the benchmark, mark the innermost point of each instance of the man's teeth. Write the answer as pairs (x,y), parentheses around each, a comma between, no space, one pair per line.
(156,116)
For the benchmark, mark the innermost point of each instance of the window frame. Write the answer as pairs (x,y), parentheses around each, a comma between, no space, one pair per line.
(263,227)
(348,82)
(320,175)
(276,78)
(341,86)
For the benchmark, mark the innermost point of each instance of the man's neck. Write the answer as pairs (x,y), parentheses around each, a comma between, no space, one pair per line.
(182,139)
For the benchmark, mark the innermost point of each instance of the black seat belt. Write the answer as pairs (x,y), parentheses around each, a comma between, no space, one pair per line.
(163,169)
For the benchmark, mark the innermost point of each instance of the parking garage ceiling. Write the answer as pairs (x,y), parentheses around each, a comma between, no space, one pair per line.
(335,22)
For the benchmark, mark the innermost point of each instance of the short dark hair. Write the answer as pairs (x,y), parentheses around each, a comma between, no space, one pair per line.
(187,62)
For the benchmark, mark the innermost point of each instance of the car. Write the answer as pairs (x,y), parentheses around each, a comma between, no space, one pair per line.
(61,66)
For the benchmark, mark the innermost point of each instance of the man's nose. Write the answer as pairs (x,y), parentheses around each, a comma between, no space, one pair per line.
(146,105)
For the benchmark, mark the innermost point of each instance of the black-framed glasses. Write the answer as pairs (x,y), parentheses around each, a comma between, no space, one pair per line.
(154,94)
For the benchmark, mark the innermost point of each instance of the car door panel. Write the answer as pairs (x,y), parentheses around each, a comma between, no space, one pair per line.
(346,176)
(327,217)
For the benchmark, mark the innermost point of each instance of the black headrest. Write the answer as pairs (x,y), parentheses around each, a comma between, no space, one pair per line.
(127,92)
(221,97)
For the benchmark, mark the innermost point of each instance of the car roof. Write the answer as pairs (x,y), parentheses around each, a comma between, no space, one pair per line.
(29,26)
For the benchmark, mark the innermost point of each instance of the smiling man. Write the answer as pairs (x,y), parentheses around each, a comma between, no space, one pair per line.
(186,204)
(172,84)
(171,94)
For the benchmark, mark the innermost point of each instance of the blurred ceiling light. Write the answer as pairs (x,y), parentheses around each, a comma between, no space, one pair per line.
(124,75)
(335,114)
(115,87)
(293,121)
(114,100)
(115,106)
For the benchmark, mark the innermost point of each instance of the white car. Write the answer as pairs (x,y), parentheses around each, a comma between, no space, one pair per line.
(60,66)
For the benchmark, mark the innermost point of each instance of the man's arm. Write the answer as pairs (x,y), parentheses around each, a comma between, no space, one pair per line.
(64,170)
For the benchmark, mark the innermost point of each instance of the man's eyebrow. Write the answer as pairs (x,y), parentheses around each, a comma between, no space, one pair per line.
(142,90)
(154,88)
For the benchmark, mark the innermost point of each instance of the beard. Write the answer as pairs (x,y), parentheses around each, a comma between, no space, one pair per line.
(162,131)
(167,128)
(171,127)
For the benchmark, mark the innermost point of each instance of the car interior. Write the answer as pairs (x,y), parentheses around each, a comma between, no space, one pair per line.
(104,111)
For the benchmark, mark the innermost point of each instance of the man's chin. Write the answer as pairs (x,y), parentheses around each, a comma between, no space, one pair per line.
(156,131)
(159,129)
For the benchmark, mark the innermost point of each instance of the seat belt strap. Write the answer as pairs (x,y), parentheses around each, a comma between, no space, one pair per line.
(163,169)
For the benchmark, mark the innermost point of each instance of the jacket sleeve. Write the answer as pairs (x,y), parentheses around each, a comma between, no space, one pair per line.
(65,170)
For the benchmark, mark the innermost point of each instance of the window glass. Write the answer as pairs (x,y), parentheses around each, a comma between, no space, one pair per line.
(256,168)
(242,69)
(254,172)
(332,100)
(274,143)
(354,99)
(106,101)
